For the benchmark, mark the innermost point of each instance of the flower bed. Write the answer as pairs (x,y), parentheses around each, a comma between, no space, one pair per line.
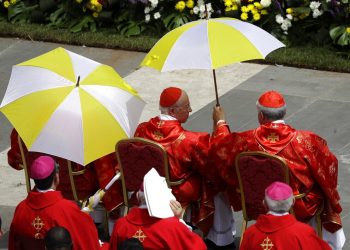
(292,21)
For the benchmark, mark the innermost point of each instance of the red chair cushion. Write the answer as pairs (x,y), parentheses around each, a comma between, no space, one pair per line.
(257,173)
(137,159)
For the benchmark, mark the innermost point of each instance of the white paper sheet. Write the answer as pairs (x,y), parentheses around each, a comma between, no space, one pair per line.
(157,195)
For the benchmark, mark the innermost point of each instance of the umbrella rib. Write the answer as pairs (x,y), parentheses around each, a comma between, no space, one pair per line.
(208,40)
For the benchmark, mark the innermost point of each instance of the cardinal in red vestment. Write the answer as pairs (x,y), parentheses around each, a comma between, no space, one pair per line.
(155,233)
(188,160)
(97,174)
(45,208)
(313,168)
(278,229)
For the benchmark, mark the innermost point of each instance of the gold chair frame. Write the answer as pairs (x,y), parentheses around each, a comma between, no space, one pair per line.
(246,219)
(71,178)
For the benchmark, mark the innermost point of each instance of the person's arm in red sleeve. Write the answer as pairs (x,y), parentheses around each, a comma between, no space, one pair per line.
(14,157)
(220,127)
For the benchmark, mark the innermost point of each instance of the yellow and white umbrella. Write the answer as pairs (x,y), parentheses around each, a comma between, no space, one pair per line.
(210,44)
(67,105)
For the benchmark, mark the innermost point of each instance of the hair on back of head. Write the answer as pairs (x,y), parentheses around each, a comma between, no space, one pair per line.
(130,244)
(58,238)
(46,183)
(272,114)
(280,206)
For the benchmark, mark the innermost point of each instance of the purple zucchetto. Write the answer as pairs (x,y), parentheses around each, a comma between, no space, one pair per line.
(42,167)
(278,191)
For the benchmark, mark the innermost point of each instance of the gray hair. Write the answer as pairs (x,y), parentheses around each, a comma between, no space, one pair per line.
(164,110)
(281,206)
(272,114)
(141,197)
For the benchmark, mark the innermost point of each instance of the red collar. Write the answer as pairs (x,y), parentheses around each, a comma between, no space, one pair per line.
(274,137)
(140,216)
(37,200)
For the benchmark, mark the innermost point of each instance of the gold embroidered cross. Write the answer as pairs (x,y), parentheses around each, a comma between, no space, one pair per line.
(273,137)
(266,244)
(160,123)
(140,235)
(157,135)
(38,224)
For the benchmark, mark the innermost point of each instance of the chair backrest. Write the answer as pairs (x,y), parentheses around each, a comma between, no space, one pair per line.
(256,171)
(136,156)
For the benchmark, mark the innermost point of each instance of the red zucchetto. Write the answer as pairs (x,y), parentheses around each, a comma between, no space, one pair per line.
(271,99)
(170,96)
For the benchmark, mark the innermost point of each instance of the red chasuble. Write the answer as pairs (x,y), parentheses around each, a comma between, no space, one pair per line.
(97,174)
(154,233)
(313,168)
(281,232)
(188,154)
(39,212)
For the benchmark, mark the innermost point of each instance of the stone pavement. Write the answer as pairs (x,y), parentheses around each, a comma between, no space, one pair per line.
(317,101)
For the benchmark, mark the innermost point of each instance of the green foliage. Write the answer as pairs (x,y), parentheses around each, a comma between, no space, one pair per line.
(128,27)
(340,35)
(86,23)
(300,21)
(59,18)
(175,20)
(20,13)
(131,28)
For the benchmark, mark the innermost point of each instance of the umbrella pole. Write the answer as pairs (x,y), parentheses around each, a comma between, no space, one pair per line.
(216,89)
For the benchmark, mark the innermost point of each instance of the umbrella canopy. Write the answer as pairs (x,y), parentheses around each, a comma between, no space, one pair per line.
(210,44)
(70,106)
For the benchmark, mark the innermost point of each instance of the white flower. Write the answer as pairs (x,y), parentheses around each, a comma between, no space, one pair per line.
(200,2)
(154,3)
(314,5)
(265,3)
(289,16)
(279,19)
(202,8)
(316,13)
(328,1)
(287,22)
(156,15)
(209,8)
(147,18)
(285,32)
(195,10)
(147,10)
(284,27)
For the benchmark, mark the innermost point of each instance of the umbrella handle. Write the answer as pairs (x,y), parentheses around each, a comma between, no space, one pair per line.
(216,89)
(89,205)
(115,178)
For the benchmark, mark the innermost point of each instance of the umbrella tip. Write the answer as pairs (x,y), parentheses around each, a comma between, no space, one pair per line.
(77,85)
